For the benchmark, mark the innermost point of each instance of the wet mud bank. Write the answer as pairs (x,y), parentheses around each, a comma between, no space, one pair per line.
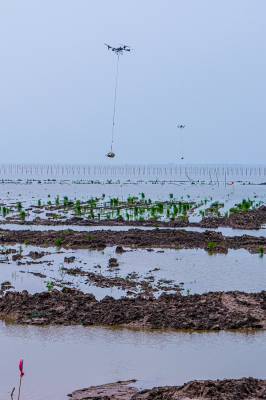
(210,311)
(252,219)
(227,389)
(178,223)
(248,220)
(165,238)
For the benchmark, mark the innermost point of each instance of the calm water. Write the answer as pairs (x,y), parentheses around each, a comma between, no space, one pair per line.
(59,360)
(30,193)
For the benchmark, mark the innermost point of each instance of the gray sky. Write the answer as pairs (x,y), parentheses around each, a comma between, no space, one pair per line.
(199,62)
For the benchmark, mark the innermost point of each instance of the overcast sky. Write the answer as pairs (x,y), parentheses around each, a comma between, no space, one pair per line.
(197,62)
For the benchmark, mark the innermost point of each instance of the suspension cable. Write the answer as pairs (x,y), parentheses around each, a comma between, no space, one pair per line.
(115,98)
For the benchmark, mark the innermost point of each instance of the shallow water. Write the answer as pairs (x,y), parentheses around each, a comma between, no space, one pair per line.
(29,194)
(194,270)
(202,194)
(225,231)
(59,360)
(199,271)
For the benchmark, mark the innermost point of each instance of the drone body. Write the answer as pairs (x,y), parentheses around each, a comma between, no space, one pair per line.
(118,50)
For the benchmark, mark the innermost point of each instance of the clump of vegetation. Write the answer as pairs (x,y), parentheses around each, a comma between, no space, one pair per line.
(58,242)
(261,251)
(22,215)
(19,206)
(5,211)
(78,207)
(50,286)
(211,246)
(244,206)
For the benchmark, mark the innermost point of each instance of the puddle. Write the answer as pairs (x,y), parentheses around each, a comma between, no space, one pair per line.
(59,360)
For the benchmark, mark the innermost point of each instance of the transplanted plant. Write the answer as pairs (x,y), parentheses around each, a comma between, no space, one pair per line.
(78,207)
(50,286)
(261,251)
(5,211)
(58,242)
(65,201)
(19,206)
(22,215)
(211,246)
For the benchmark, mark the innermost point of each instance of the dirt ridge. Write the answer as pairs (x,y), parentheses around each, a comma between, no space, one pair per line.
(211,311)
(136,238)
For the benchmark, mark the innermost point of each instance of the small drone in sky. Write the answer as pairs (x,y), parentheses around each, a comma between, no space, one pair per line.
(118,50)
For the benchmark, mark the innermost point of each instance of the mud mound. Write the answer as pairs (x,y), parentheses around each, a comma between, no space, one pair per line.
(210,311)
(118,390)
(252,219)
(167,238)
(227,389)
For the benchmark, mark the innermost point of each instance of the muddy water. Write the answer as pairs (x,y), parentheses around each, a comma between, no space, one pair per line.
(59,360)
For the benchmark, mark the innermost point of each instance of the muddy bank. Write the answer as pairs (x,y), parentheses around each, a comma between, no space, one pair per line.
(210,311)
(131,283)
(102,281)
(252,219)
(227,389)
(78,221)
(248,220)
(166,238)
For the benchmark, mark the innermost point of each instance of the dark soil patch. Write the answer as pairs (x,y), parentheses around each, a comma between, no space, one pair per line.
(135,238)
(227,389)
(210,311)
